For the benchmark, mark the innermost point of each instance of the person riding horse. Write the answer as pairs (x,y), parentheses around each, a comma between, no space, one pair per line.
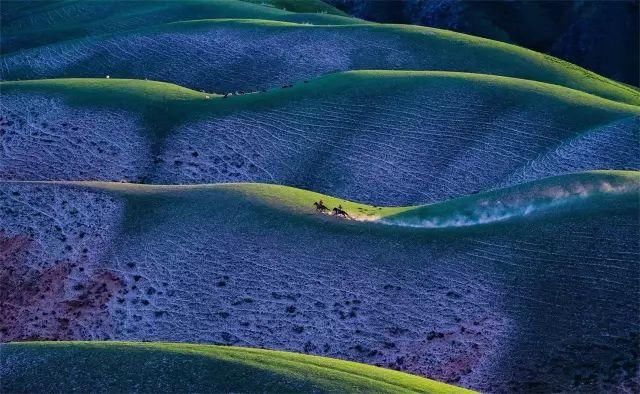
(337,211)
(341,212)
(320,206)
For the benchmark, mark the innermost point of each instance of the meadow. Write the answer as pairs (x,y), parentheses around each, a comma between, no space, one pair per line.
(159,165)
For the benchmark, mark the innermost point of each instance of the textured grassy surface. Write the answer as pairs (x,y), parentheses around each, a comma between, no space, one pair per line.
(127,93)
(281,197)
(294,52)
(469,298)
(115,92)
(574,193)
(560,28)
(162,367)
(427,139)
(464,290)
(47,22)
(301,6)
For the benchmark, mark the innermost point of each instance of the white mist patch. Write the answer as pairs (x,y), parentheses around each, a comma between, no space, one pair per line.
(519,204)
(494,214)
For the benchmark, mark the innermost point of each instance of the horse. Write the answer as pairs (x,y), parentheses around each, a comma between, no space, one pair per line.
(320,207)
(340,212)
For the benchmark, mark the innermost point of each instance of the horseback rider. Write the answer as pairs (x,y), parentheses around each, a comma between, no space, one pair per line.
(338,211)
(320,206)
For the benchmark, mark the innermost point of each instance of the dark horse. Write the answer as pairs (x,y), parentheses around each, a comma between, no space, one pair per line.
(320,206)
(338,211)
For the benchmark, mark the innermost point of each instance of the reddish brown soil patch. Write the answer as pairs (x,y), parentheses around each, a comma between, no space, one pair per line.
(48,303)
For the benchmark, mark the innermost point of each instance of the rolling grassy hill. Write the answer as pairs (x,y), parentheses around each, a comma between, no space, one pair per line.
(576,192)
(576,31)
(316,6)
(205,55)
(47,22)
(162,367)
(520,274)
(579,32)
(379,136)
(254,265)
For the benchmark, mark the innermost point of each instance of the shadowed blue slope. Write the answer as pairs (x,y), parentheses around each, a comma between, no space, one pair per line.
(383,137)
(204,55)
(166,367)
(40,23)
(477,305)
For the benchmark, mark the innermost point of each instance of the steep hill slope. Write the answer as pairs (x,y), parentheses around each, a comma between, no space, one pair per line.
(229,55)
(253,265)
(383,137)
(163,367)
